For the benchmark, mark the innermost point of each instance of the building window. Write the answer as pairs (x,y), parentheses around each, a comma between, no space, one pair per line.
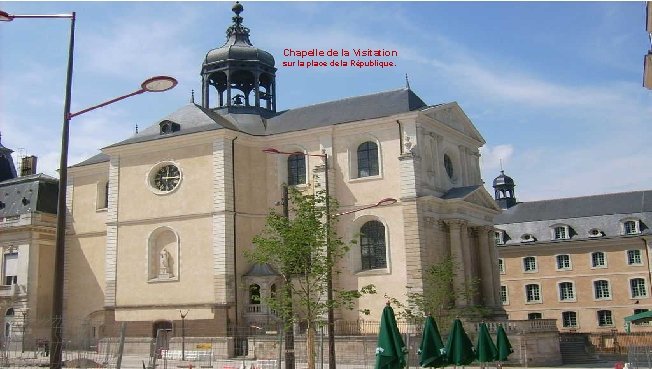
(594,232)
(638,311)
(561,233)
(530,264)
(534,316)
(102,201)
(368,159)
(631,227)
(296,169)
(501,265)
(598,259)
(637,287)
(10,268)
(532,293)
(604,318)
(448,165)
(498,237)
(254,294)
(601,288)
(634,257)
(504,299)
(528,238)
(566,291)
(569,319)
(563,262)
(372,245)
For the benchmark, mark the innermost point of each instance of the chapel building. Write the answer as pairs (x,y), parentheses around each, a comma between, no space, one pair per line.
(159,221)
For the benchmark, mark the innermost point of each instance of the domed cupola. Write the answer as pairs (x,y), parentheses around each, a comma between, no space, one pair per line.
(7,168)
(504,191)
(243,76)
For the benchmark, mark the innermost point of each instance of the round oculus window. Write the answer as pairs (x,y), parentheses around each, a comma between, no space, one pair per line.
(448,165)
(166,178)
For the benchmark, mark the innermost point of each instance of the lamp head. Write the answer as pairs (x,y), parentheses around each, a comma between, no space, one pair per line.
(5,17)
(159,84)
(387,201)
(270,150)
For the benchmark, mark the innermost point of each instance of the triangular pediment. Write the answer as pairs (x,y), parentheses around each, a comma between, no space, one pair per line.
(476,195)
(452,115)
(482,198)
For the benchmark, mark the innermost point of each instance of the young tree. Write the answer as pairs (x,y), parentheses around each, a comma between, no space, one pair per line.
(295,244)
(438,296)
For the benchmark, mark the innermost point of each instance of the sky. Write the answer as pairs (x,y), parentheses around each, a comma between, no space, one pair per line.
(555,88)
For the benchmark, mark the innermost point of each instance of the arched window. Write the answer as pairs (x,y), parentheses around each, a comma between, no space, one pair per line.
(296,169)
(368,159)
(254,294)
(448,165)
(372,245)
(272,291)
(10,312)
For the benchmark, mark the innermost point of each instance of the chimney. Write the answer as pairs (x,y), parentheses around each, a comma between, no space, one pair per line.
(28,165)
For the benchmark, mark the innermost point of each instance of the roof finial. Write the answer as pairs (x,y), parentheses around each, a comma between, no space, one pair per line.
(407,82)
(192,96)
(501,166)
(237,26)
(136,128)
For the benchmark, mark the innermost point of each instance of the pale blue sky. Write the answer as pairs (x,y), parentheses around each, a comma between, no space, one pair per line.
(554,87)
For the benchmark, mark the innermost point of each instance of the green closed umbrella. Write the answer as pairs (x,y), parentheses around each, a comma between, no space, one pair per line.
(485,350)
(431,351)
(390,351)
(502,344)
(459,348)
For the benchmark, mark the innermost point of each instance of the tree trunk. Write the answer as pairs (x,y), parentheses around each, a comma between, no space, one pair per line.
(310,345)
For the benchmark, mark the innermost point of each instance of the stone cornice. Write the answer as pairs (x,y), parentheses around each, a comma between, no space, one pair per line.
(192,139)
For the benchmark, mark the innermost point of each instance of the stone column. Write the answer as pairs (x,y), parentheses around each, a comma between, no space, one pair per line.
(493,253)
(487,287)
(457,256)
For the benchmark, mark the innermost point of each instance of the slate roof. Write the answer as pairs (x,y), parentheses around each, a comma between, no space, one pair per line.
(576,207)
(261,270)
(193,118)
(459,192)
(39,191)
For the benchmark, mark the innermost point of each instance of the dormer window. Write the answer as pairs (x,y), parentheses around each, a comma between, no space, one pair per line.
(561,232)
(594,233)
(527,238)
(499,236)
(168,127)
(631,227)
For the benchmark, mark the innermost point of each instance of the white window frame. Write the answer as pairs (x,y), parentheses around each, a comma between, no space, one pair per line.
(563,321)
(561,228)
(535,312)
(501,265)
(609,292)
(604,254)
(573,298)
(499,237)
(536,266)
(624,225)
(540,295)
(631,289)
(570,264)
(611,317)
(639,254)
(352,151)
(506,293)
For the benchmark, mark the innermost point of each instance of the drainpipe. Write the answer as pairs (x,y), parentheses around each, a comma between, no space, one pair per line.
(235,234)
(400,137)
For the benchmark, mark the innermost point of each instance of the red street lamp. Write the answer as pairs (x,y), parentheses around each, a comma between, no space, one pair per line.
(329,271)
(155,84)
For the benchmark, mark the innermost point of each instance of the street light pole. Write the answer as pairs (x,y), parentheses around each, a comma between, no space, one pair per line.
(155,84)
(329,262)
(183,334)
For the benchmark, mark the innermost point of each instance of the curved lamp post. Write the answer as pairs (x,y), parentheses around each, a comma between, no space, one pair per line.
(329,271)
(155,84)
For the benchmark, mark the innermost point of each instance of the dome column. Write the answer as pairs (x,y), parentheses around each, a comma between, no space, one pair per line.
(228,88)
(205,91)
(257,89)
(273,100)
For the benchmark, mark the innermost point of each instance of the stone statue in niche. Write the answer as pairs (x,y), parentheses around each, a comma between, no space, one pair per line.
(407,144)
(164,270)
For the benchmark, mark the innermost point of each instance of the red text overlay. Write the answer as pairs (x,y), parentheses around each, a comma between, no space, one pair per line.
(343,58)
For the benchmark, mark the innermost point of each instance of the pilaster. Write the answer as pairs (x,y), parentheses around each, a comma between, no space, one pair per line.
(110,263)
(487,272)
(223,222)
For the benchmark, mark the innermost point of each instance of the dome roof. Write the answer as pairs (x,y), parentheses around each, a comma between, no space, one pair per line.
(237,45)
(503,180)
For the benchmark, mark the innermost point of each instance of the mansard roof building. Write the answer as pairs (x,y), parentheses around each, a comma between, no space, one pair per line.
(584,261)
